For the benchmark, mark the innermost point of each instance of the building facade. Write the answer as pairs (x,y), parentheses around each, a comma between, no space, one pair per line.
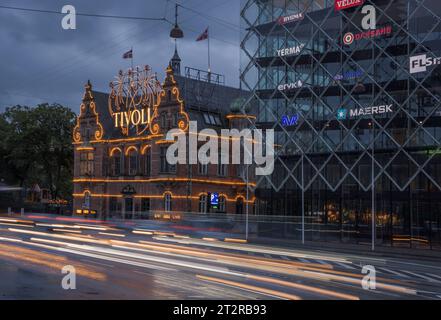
(352,89)
(123,172)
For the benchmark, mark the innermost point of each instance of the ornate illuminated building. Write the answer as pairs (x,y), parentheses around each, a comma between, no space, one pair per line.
(120,160)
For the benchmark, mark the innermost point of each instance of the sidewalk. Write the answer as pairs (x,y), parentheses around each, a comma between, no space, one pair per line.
(348,248)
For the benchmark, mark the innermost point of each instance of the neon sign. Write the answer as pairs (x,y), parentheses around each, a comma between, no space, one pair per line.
(133,95)
(289,121)
(345,4)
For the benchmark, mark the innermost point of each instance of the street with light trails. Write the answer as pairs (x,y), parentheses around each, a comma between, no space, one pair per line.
(115,262)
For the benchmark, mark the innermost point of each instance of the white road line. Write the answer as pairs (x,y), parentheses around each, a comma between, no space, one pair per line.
(421,276)
(304,260)
(393,272)
(98,263)
(321,261)
(434,275)
(345,265)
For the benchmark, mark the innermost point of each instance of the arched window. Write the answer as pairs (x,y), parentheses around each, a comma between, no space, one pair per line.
(239,206)
(167,202)
(86,203)
(147,162)
(163,120)
(116,162)
(203,203)
(132,157)
(222,204)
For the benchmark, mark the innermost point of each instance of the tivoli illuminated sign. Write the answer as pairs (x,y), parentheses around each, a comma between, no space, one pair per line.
(131,99)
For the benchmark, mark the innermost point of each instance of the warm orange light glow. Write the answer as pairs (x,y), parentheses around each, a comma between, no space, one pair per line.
(130,149)
(85,149)
(144,148)
(153,180)
(112,151)
(240,116)
(88,97)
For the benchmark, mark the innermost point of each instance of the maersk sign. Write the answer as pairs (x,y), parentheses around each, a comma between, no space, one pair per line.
(370,111)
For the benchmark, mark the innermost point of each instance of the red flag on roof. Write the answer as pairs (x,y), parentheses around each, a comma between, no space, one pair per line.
(203,36)
(128,54)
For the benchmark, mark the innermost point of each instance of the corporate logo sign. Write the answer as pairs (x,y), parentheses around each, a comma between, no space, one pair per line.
(342,113)
(289,121)
(349,37)
(368,23)
(290,51)
(291,18)
(345,4)
(290,86)
(348,75)
(421,62)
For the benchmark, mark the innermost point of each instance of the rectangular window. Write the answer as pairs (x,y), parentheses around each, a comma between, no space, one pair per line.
(113,204)
(145,204)
(133,164)
(165,166)
(86,163)
(116,165)
(148,163)
(221,170)
(203,169)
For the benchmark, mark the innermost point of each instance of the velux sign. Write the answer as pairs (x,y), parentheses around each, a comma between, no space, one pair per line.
(345,4)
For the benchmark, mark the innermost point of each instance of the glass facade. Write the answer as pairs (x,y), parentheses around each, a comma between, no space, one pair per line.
(354,98)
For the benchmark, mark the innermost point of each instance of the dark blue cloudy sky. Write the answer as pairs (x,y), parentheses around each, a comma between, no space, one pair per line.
(41,62)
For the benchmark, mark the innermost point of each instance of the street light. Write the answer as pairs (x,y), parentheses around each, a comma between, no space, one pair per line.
(176,32)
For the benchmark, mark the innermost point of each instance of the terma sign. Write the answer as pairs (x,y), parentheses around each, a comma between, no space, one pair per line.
(345,4)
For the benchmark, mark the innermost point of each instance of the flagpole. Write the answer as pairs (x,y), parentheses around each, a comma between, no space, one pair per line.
(132,57)
(209,60)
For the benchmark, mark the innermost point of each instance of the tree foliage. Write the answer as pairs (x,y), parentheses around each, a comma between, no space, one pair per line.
(36,147)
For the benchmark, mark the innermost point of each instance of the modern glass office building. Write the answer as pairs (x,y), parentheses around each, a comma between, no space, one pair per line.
(352,90)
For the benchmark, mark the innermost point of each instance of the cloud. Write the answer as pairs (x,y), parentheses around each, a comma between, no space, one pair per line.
(41,62)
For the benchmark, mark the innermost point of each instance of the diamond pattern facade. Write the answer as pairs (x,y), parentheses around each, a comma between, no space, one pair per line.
(363,86)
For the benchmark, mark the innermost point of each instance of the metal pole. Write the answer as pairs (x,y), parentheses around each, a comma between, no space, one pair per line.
(131,49)
(209,59)
(246,209)
(303,204)
(373,187)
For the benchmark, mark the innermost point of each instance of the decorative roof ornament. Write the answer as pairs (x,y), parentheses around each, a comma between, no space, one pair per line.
(133,92)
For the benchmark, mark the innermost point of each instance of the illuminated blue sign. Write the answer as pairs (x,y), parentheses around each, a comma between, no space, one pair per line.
(289,121)
(348,75)
(342,114)
(214,200)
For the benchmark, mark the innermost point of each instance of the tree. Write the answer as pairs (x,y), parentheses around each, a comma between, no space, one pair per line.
(37,147)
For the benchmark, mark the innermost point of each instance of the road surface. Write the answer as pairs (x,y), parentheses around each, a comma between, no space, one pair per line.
(129,263)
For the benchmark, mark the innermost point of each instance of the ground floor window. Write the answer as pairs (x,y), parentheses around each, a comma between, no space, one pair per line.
(145,204)
(222,202)
(129,205)
(167,202)
(203,203)
(239,206)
